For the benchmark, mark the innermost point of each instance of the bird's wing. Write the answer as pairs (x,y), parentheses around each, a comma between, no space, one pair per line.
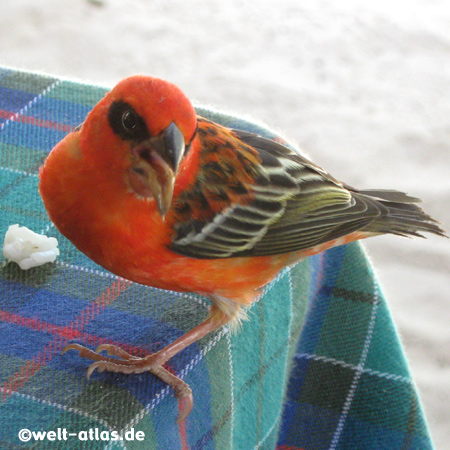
(256,197)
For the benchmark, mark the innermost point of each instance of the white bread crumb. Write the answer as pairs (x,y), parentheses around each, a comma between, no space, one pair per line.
(29,249)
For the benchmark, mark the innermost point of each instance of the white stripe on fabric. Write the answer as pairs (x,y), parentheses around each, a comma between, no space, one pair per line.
(359,371)
(230,358)
(29,104)
(283,273)
(20,112)
(19,172)
(264,439)
(337,362)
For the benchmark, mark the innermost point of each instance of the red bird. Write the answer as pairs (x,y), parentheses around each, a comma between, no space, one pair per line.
(163,197)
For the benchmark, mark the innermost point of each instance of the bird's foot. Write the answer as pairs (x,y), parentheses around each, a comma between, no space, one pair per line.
(123,362)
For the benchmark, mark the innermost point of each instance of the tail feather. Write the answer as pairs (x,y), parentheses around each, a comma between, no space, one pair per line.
(390,195)
(399,214)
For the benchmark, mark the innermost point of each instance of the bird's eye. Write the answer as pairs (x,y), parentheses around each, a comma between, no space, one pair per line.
(129,120)
(126,122)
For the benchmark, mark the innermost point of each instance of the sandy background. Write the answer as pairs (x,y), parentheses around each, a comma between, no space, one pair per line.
(362,87)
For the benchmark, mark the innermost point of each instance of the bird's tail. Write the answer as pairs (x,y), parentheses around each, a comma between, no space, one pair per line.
(400,214)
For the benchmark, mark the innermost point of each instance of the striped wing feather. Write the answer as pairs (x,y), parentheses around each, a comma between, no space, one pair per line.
(288,204)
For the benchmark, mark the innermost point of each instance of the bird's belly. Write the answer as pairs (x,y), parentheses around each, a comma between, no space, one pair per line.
(131,253)
(239,279)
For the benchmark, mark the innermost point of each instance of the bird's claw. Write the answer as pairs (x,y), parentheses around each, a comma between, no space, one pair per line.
(185,401)
(113,350)
(82,351)
(108,366)
(129,364)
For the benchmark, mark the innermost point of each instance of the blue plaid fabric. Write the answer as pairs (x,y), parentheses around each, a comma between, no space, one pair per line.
(318,366)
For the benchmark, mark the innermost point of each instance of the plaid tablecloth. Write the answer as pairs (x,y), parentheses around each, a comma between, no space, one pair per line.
(318,366)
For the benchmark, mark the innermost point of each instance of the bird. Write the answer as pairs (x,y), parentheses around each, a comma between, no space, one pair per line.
(161,196)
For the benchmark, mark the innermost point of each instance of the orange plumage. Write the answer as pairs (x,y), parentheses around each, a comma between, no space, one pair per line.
(162,197)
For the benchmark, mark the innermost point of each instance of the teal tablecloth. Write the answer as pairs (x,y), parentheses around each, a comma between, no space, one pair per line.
(318,366)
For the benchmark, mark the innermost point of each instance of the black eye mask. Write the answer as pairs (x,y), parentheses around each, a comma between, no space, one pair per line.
(127,123)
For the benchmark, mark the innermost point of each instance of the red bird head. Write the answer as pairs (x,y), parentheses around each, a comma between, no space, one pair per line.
(145,126)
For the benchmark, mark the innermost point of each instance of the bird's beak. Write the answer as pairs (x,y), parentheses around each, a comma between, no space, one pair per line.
(154,166)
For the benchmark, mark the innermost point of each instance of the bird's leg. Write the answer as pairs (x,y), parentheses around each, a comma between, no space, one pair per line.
(153,363)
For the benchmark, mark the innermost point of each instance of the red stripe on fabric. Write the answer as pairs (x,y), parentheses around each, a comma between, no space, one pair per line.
(67,333)
(183,432)
(61,336)
(288,447)
(30,120)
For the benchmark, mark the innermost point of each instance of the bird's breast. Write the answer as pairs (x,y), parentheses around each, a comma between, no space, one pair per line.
(126,235)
